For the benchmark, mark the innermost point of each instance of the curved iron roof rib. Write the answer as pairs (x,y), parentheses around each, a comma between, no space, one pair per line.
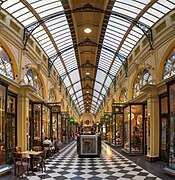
(117,27)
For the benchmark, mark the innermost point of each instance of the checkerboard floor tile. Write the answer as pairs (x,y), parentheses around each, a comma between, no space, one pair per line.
(110,166)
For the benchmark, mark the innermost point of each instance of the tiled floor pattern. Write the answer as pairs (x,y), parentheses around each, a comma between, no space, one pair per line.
(110,166)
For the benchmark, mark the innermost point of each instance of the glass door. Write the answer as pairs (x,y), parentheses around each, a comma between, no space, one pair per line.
(10,136)
(11,126)
(163,129)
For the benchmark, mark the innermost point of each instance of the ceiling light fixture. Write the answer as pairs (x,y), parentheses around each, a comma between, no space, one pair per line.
(87,30)
(87,73)
(87,91)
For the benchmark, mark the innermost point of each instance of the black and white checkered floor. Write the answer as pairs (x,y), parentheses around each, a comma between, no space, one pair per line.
(111,166)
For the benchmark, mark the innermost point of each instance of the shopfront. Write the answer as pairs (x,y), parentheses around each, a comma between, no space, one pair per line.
(163,101)
(8,121)
(40,124)
(117,125)
(65,127)
(56,120)
(133,129)
(171,125)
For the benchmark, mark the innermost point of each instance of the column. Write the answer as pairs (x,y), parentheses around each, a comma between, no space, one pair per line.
(23,120)
(23,116)
(153,135)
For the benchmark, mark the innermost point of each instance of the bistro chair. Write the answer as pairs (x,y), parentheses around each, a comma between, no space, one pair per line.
(48,150)
(40,162)
(20,162)
(37,157)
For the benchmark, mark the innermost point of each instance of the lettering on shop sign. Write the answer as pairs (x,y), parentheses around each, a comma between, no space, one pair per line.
(56,109)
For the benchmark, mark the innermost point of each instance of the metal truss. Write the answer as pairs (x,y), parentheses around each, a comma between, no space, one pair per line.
(86,94)
(87,87)
(28,30)
(88,78)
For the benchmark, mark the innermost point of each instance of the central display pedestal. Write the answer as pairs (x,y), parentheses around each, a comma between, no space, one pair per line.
(88,146)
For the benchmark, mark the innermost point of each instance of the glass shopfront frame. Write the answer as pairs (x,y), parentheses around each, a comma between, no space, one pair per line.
(8,123)
(117,123)
(133,128)
(163,101)
(3,117)
(171,125)
(40,123)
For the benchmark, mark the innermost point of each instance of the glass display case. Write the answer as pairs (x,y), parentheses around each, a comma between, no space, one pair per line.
(133,128)
(88,145)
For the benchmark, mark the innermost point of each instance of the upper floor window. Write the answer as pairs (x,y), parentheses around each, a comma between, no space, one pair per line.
(123,95)
(32,78)
(5,64)
(52,96)
(143,77)
(169,66)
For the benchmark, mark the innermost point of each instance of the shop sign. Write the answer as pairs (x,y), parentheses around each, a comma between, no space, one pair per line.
(72,120)
(56,109)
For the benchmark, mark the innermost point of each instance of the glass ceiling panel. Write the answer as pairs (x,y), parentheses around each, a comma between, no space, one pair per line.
(71,91)
(59,66)
(20,11)
(97,86)
(114,35)
(100,76)
(79,93)
(103,91)
(108,81)
(49,6)
(67,82)
(15,7)
(77,86)
(96,94)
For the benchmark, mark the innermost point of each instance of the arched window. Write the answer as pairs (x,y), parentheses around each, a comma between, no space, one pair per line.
(52,96)
(169,67)
(123,95)
(143,77)
(5,64)
(31,78)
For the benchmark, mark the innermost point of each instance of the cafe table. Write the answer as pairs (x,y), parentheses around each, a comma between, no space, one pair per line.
(31,154)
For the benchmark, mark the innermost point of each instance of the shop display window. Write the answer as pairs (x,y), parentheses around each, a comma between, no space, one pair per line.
(45,122)
(172,126)
(126,137)
(2,125)
(117,124)
(37,124)
(54,125)
(133,128)
(164,128)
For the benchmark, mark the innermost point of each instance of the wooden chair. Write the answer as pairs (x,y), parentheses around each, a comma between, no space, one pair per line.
(20,162)
(37,148)
(40,161)
(48,150)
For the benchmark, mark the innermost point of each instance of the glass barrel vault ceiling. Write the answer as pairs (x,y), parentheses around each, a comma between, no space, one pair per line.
(120,36)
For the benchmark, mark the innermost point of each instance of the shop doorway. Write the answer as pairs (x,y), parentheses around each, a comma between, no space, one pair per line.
(163,128)
(10,136)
